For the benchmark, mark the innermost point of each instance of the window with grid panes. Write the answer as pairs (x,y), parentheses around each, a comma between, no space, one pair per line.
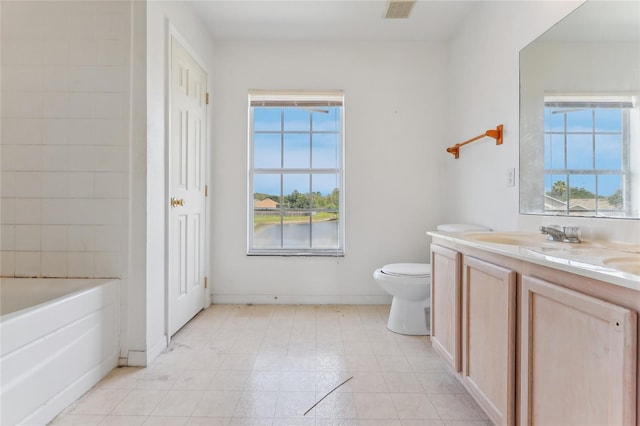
(296,173)
(586,154)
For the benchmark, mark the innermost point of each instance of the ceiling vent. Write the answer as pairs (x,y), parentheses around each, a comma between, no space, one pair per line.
(399,9)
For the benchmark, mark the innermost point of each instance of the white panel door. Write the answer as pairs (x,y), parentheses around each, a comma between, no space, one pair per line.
(186,187)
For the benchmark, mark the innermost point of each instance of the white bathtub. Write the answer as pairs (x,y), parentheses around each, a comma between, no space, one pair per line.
(59,337)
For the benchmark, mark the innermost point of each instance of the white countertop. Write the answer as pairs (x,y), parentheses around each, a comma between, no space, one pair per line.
(588,258)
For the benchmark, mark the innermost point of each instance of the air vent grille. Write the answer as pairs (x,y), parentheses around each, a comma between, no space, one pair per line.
(399,9)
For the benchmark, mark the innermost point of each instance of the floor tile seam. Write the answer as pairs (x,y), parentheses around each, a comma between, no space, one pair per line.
(315,329)
(289,332)
(99,386)
(164,394)
(480,417)
(474,405)
(272,418)
(464,393)
(90,392)
(280,389)
(62,416)
(235,406)
(302,415)
(103,420)
(201,392)
(432,406)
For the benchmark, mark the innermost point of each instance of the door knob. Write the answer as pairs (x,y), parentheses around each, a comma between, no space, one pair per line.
(177,202)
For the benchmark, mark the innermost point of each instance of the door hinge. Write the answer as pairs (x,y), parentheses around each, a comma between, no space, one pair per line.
(206,190)
(206,282)
(207,98)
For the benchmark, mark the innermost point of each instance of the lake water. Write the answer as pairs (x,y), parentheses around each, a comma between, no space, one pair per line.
(297,235)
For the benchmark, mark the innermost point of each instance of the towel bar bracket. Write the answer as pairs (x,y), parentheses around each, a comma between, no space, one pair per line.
(496,134)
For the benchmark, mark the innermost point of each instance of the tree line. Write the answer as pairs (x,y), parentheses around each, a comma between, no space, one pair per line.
(298,200)
(560,192)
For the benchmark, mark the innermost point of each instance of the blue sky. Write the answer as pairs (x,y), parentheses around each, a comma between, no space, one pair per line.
(297,150)
(580,147)
(321,150)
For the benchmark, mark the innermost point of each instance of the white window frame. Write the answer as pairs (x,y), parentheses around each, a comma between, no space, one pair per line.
(626,104)
(306,99)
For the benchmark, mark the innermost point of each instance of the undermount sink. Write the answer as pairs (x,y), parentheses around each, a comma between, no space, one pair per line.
(630,264)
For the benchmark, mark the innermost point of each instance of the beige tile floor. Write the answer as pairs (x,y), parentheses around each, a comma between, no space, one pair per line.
(268,364)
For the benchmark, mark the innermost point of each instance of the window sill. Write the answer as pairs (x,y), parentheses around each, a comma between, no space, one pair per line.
(297,253)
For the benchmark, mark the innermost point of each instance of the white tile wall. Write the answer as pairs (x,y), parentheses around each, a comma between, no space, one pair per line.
(80,184)
(54,238)
(80,238)
(27,263)
(27,237)
(28,184)
(7,236)
(64,172)
(56,184)
(7,260)
(54,264)
(28,211)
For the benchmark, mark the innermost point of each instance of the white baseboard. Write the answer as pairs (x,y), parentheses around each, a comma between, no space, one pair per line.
(261,299)
(137,358)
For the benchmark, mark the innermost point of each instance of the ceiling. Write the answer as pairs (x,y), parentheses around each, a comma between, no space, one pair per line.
(329,20)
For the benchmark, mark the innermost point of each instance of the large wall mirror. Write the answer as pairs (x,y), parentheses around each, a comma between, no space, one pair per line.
(579,114)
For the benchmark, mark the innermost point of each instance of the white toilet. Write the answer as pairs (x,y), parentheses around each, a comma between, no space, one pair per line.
(410,286)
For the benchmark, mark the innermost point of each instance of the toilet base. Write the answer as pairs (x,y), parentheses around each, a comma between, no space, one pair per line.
(410,317)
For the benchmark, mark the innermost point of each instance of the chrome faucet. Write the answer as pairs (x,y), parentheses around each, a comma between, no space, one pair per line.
(568,234)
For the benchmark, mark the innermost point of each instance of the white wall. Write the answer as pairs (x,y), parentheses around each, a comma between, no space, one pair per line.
(395,102)
(163,17)
(483,90)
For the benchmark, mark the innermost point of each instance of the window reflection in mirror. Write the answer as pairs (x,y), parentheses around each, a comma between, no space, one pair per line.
(586,154)
(579,115)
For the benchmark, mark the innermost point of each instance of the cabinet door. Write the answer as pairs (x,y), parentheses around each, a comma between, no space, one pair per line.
(488,338)
(445,304)
(577,358)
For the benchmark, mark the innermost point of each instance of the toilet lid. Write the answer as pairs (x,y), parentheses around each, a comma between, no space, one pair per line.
(410,269)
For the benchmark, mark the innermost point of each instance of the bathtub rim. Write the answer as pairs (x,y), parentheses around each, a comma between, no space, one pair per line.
(92,283)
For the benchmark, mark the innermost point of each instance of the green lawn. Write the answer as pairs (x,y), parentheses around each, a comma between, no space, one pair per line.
(318,217)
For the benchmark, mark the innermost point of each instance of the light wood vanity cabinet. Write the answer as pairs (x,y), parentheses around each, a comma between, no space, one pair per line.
(536,346)
(445,307)
(488,337)
(577,358)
